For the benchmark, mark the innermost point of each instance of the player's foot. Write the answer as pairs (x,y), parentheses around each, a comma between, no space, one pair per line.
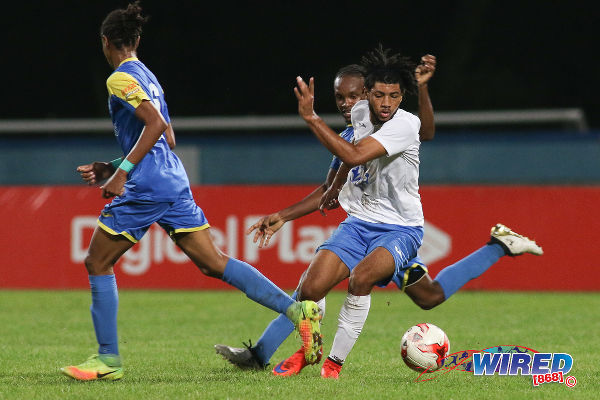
(330,369)
(306,316)
(513,243)
(243,358)
(93,368)
(291,365)
(294,364)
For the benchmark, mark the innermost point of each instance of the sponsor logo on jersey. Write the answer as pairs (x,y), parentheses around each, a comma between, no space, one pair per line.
(130,90)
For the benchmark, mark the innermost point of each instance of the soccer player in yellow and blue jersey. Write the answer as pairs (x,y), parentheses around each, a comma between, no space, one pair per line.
(150,185)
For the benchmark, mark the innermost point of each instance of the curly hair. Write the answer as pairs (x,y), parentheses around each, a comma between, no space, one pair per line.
(382,66)
(122,27)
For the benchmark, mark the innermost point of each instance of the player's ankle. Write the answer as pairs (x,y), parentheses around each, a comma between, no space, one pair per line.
(112,360)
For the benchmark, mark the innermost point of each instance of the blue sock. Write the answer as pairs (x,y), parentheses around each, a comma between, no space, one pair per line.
(454,276)
(277,331)
(256,286)
(105,302)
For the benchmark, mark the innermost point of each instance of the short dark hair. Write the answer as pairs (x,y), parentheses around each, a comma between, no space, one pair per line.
(122,27)
(351,70)
(381,66)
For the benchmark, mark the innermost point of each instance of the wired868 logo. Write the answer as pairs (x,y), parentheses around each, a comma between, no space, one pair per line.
(509,361)
(543,367)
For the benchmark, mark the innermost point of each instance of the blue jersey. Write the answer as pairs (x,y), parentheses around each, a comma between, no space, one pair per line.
(160,175)
(347,135)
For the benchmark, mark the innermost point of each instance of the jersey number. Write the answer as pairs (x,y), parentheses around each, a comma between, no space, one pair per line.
(155,96)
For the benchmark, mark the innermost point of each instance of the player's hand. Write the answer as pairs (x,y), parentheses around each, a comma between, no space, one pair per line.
(329,200)
(425,69)
(265,228)
(115,185)
(95,172)
(306,97)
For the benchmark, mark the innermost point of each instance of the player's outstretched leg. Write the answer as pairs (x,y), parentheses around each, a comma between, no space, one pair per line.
(92,369)
(305,316)
(258,356)
(503,242)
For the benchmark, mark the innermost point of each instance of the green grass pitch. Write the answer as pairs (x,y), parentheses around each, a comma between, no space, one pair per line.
(167,338)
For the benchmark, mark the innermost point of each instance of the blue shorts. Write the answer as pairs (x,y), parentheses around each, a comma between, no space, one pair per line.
(354,239)
(132,218)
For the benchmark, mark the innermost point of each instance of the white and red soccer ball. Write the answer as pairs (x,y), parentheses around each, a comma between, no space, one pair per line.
(424,346)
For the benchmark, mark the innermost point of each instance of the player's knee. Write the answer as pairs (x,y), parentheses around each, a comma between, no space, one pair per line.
(95,266)
(215,267)
(309,292)
(359,284)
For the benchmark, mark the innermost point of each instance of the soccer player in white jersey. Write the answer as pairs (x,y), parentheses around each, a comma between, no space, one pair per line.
(348,87)
(378,242)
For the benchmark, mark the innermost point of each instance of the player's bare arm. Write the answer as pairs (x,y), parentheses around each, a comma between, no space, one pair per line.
(266,227)
(170,136)
(329,200)
(352,155)
(154,126)
(423,74)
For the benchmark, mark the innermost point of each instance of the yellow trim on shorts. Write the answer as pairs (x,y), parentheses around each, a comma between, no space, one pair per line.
(407,273)
(115,233)
(197,228)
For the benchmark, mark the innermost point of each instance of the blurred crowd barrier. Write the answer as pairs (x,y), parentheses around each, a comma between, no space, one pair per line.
(296,157)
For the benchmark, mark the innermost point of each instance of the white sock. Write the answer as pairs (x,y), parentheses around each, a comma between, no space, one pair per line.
(353,316)
(321,304)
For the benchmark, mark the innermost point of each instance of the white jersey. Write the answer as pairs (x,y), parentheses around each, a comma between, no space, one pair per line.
(386,189)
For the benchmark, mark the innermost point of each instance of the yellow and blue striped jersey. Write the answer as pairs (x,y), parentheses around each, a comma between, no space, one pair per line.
(160,175)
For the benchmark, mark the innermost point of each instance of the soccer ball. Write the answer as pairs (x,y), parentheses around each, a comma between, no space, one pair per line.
(424,346)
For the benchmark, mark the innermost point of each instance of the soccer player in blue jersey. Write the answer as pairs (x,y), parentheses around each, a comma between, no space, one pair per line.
(378,242)
(150,185)
(348,88)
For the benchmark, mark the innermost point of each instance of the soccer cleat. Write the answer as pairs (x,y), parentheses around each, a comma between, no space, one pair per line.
(306,316)
(243,358)
(93,368)
(292,365)
(330,369)
(513,243)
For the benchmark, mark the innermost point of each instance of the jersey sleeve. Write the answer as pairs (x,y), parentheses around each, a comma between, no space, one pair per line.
(397,135)
(335,163)
(126,88)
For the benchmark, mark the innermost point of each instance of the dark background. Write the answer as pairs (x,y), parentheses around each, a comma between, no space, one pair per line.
(226,58)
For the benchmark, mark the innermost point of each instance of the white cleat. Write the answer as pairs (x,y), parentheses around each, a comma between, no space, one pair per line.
(513,243)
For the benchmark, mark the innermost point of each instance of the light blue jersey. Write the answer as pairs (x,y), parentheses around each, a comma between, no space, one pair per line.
(160,175)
